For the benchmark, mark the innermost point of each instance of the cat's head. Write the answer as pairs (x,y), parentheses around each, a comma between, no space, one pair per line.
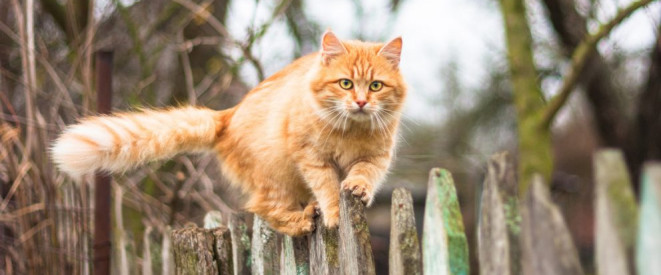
(358,81)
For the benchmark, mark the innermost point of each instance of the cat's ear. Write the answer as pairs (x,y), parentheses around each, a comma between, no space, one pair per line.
(392,51)
(331,47)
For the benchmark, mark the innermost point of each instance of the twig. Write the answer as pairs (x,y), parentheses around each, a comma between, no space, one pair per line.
(88,50)
(580,57)
(29,104)
(203,13)
(188,71)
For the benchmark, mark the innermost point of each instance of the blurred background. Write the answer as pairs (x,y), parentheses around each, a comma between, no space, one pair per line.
(203,52)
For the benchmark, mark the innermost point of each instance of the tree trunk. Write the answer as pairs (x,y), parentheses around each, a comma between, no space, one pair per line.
(534,139)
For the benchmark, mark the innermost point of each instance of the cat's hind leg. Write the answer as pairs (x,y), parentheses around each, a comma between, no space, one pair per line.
(284,215)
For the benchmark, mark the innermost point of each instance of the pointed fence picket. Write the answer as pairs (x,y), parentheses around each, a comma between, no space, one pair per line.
(515,235)
(405,256)
(616,214)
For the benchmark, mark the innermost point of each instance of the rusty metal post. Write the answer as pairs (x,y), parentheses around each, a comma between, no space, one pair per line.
(102,223)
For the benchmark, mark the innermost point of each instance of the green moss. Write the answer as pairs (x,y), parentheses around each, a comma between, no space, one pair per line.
(331,240)
(626,216)
(453,224)
(512,216)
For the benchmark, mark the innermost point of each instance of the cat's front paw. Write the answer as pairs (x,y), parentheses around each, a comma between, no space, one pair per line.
(312,209)
(360,188)
(303,226)
(332,218)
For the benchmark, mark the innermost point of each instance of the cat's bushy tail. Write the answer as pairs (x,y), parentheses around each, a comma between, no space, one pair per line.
(119,142)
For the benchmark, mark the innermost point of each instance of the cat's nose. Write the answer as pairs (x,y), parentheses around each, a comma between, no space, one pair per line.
(361,103)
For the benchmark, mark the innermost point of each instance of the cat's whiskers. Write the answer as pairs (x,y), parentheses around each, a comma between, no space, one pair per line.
(337,114)
(344,124)
(337,118)
(391,113)
(395,115)
(378,122)
(383,125)
(329,120)
(372,123)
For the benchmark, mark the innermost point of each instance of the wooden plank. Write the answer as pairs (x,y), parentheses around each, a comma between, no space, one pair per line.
(648,250)
(405,256)
(547,247)
(240,243)
(265,251)
(324,248)
(167,252)
(616,214)
(295,256)
(223,250)
(499,226)
(197,251)
(444,245)
(222,241)
(146,252)
(356,257)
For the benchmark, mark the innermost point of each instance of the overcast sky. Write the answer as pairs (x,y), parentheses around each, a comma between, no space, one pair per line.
(468,32)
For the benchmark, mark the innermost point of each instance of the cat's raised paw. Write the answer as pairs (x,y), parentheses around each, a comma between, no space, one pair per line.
(359,188)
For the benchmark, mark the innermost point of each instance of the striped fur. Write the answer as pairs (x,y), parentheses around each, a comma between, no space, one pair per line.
(290,145)
(120,142)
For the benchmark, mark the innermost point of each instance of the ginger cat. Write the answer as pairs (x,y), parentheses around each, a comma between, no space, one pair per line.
(327,121)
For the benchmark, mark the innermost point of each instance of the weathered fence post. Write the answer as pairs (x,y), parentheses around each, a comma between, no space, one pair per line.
(295,256)
(265,252)
(547,247)
(499,225)
(202,251)
(354,236)
(616,214)
(444,245)
(324,250)
(240,243)
(166,252)
(405,258)
(649,244)
(102,224)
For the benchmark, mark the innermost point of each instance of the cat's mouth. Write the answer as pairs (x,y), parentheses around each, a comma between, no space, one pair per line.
(360,114)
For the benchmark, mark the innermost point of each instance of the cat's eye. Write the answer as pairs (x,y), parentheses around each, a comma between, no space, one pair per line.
(376,86)
(346,84)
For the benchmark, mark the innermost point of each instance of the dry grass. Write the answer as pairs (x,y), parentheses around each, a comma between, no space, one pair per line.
(45,218)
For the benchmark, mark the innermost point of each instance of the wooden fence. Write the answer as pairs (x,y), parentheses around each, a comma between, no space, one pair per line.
(515,236)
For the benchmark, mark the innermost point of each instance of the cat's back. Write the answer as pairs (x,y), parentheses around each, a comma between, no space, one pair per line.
(265,107)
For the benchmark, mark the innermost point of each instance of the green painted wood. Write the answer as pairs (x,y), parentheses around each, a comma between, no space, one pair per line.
(265,250)
(648,250)
(295,257)
(241,243)
(355,247)
(213,219)
(405,257)
(547,247)
(499,225)
(444,245)
(616,214)
(324,250)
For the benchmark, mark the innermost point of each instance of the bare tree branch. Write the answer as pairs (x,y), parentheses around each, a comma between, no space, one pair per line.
(581,55)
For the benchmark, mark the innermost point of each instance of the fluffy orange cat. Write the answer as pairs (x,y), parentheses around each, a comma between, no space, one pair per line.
(327,121)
